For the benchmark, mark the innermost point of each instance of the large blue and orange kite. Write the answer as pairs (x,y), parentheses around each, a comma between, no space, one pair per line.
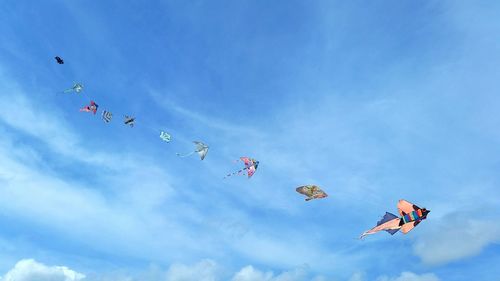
(410,216)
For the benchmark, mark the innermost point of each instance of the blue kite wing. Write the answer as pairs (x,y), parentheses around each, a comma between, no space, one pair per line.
(388,217)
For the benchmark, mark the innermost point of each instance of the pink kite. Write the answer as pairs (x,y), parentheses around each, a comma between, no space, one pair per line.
(250,166)
(92,107)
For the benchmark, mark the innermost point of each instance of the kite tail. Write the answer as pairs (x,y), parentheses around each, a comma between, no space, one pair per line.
(68,90)
(186,155)
(392,226)
(238,172)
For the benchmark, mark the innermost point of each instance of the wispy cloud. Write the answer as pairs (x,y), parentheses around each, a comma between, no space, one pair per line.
(45,196)
(48,125)
(249,273)
(410,276)
(211,123)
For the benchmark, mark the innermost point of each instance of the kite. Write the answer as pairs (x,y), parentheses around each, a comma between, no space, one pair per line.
(92,107)
(59,60)
(250,166)
(201,149)
(165,136)
(410,216)
(77,88)
(311,191)
(129,121)
(107,116)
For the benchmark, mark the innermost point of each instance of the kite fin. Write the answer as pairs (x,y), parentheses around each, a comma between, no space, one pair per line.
(392,231)
(389,223)
(387,217)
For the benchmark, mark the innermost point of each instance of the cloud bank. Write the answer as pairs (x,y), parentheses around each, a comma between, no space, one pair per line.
(30,270)
(456,236)
(204,270)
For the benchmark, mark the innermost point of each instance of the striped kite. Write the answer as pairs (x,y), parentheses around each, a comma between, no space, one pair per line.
(107,116)
(311,191)
(250,166)
(410,216)
(129,121)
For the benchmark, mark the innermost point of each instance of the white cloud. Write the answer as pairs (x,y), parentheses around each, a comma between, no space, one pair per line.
(38,197)
(209,270)
(30,270)
(249,273)
(456,236)
(410,276)
(358,276)
(205,270)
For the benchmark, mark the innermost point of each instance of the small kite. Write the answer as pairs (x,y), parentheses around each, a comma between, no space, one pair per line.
(410,216)
(107,116)
(92,107)
(129,121)
(250,166)
(59,60)
(311,191)
(77,88)
(165,136)
(201,149)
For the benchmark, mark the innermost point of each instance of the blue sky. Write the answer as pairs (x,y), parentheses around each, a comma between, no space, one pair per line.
(374,102)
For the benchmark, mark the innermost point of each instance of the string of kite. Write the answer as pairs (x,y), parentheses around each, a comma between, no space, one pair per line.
(410,215)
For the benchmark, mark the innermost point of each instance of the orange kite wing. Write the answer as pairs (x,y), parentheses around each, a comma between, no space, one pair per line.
(405,206)
(407,227)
